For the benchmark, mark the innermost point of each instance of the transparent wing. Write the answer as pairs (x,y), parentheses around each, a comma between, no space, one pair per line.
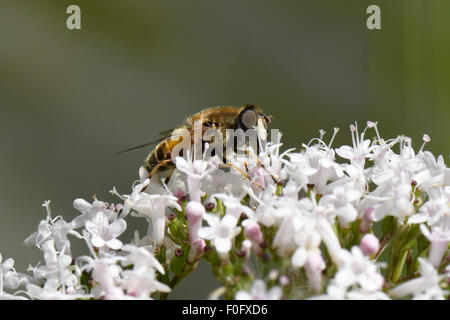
(165,135)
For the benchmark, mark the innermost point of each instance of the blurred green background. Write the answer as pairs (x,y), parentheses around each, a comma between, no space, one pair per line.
(70,99)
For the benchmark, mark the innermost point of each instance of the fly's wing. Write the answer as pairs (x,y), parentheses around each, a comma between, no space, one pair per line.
(141,146)
(166,135)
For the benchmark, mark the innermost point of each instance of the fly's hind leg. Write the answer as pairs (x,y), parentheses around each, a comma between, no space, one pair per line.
(162,164)
(166,181)
(245,174)
(154,171)
(275,177)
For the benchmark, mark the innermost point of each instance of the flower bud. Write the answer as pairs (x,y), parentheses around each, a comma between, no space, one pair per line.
(179,193)
(313,267)
(194,216)
(179,252)
(197,248)
(369,244)
(284,280)
(253,232)
(273,274)
(246,247)
(367,220)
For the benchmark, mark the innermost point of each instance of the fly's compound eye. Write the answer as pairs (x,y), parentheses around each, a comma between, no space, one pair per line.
(248,118)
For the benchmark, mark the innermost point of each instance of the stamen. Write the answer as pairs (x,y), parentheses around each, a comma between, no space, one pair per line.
(356,133)
(322,134)
(116,193)
(426,138)
(336,130)
(375,126)
(353,130)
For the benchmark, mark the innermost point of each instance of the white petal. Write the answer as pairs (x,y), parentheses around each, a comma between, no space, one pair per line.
(299,257)
(345,152)
(409,287)
(97,241)
(82,205)
(64,260)
(114,244)
(92,227)
(212,219)
(206,233)
(117,228)
(418,218)
(11,280)
(243,295)
(222,244)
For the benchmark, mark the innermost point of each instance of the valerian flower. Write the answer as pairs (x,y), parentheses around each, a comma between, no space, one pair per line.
(55,229)
(140,258)
(58,267)
(89,211)
(259,291)
(427,286)
(221,232)
(50,291)
(233,205)
(141,281)
(9,279)
(360,150)
(195,170)
(153,207)
(439,238)
(103,233)
(357,278)
(194,215)
(435,211)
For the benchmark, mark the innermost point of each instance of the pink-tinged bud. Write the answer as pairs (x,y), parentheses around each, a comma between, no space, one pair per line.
(194,216)
(253,232)
(246,248)
(179,193)
(367,219)
(369,244)
(179,252)
(273,274)
(197,248)
(313,267)
(284,280)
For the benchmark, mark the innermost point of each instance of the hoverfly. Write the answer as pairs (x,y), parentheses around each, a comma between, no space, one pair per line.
(216,118)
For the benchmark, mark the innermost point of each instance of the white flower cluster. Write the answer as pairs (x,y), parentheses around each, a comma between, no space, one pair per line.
(292,225)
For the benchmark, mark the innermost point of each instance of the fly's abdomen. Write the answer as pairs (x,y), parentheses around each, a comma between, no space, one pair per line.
(160,157)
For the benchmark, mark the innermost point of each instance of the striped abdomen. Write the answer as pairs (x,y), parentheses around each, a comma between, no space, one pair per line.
(161,157)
